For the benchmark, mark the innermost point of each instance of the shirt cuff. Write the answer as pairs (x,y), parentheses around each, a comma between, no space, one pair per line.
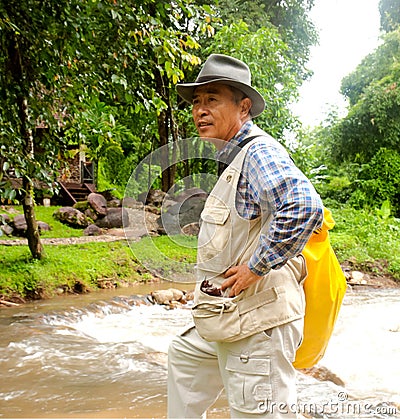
(258,270)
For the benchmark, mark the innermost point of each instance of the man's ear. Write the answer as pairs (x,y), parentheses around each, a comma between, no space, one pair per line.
(246,104)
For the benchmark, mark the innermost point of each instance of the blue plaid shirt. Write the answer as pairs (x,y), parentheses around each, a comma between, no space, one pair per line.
(271,183)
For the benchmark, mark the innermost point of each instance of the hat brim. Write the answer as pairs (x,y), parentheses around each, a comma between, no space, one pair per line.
(186,91)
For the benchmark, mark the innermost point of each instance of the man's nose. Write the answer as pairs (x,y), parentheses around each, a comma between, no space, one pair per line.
(200,109)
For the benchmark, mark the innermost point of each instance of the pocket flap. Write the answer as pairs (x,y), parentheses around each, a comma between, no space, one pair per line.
(215,215)
(247,365)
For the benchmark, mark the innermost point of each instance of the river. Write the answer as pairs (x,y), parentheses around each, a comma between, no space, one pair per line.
(101,355)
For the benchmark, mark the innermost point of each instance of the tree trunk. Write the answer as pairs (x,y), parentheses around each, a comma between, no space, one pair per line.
(163,135)
(34,242)
(164,121)
(32,231)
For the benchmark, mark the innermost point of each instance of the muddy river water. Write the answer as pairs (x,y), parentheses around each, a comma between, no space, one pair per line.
(101,356)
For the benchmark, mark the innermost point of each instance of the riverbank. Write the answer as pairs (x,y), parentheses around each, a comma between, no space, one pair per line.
(75,264)
(108,263)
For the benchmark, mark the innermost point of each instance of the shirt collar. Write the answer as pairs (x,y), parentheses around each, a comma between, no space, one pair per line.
(236,140)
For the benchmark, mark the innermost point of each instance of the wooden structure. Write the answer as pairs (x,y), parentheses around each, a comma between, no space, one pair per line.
(77,179)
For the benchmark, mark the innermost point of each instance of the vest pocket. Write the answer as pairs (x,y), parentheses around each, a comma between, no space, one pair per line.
(225,319)
(216,318)
(214,242)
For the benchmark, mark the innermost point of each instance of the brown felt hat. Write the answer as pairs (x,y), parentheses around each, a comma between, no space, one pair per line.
(227,70)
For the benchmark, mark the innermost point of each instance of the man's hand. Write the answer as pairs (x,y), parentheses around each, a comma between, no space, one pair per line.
(239,278)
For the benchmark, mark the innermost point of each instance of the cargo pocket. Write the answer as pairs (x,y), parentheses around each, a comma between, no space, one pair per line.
(214,240)
(249,383)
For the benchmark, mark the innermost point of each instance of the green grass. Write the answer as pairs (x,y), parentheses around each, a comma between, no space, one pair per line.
(359,236)
(364,237)
(65,266)
(166,256)
(45,214)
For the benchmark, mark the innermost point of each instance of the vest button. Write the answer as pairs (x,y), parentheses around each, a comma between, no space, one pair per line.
(244,358)
(229,178)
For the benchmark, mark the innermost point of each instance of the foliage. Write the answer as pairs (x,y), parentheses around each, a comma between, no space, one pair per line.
(373,90)
(374,67)
(97,128)
(27,32)
(390,14)
(379,182)
(289,18)
(103,73)
(365,236)
(362,148)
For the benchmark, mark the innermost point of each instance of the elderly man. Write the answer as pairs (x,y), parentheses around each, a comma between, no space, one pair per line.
(249,303)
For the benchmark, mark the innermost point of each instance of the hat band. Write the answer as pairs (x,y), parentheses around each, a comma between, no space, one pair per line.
(205,79)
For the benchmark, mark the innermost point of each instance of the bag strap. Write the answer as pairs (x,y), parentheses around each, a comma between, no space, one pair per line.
(222,165)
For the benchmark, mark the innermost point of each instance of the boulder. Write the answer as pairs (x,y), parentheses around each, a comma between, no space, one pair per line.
(92,230)
(81,206)
(114,203)
(153,209)
(129,202)
(181,214)
(153,196)
(141,223)
(168,202)
(5,225)
(191,193)
(98,203)
(115,218)
(42,226)
(356,278)
(90,213)
(19,224)
(6,229)
(108,194)
(167,296)
(71,216)
(177,294)
(5,219)
(191,229)
(162,296)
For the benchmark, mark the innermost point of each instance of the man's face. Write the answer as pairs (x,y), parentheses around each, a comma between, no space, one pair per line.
(215,113)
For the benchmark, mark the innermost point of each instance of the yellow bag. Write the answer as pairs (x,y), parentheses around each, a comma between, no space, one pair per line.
(324,288)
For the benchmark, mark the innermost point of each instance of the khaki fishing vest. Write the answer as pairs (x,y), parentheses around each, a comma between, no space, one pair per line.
(225,240)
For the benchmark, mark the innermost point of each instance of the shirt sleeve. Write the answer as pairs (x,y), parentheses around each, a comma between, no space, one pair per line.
(280,189)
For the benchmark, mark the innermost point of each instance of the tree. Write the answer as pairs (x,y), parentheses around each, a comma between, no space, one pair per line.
(62,60)
(152,46)
(364,145)
(57,55)
(26,79)
(373,90)
(289,18)
(390,14)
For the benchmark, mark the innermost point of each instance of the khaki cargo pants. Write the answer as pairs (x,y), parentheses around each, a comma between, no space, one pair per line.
(256,372)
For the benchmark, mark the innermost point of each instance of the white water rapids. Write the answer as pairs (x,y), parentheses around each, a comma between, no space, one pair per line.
(107,358)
